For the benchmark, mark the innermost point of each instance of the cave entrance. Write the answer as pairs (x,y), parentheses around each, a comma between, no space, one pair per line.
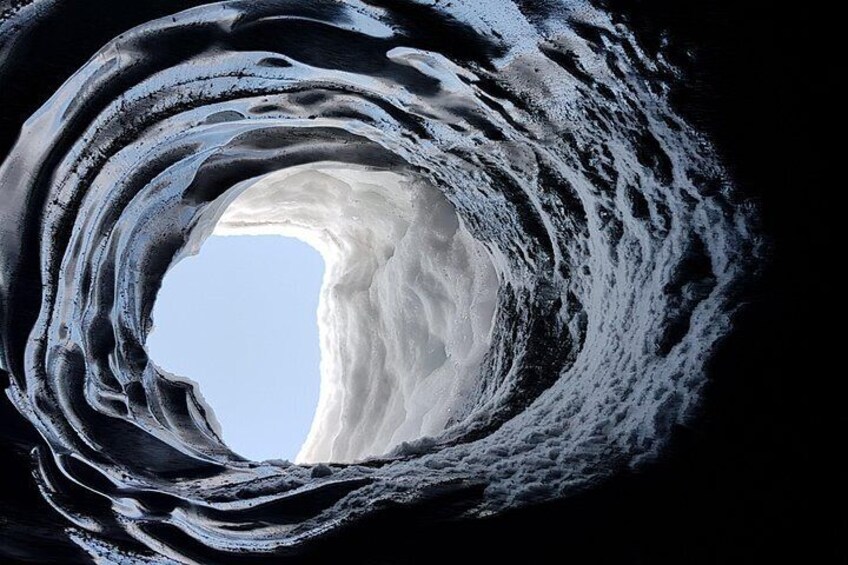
(240,319)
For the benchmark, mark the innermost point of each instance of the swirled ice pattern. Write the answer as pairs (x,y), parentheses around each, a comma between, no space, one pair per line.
(531,258)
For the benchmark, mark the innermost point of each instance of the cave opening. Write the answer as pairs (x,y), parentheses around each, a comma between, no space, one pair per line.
(399,305)
(240,319)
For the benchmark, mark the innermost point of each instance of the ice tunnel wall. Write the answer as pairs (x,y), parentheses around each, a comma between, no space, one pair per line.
(530,148)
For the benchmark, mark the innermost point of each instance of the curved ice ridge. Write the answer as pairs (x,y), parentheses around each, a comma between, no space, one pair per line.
(617,242)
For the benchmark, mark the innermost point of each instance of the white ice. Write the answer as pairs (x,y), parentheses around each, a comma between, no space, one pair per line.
(406,306)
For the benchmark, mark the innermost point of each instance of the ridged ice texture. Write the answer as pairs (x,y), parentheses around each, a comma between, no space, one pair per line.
(617,242)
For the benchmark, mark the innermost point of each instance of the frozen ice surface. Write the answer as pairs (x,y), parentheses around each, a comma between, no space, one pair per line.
(531,258)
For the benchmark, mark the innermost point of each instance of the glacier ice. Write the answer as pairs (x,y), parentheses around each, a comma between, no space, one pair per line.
(531,257)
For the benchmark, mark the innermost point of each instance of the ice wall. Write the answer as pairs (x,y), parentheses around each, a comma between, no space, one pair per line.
(529,146)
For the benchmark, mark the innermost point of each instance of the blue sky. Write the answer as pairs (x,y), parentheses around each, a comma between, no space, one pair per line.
(240,319)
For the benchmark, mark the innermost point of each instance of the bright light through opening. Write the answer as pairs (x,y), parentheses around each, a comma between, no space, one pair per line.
(240,319)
